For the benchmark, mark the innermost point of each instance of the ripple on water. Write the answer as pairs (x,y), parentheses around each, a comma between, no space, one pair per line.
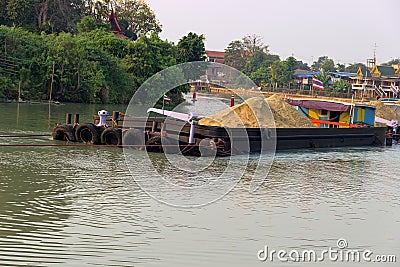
(81,207)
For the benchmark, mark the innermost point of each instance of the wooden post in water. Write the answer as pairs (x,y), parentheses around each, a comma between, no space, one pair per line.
(68,118)
(115,117)
(76,118)
(194,99)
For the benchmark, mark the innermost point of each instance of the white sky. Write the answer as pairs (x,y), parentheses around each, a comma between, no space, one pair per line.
(344,30)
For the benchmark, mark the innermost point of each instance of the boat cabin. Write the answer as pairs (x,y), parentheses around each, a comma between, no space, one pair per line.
(335,114)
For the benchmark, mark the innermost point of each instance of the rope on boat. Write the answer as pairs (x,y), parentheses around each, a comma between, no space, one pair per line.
(83,145)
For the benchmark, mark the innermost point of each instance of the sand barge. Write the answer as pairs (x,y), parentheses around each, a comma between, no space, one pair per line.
(384,112)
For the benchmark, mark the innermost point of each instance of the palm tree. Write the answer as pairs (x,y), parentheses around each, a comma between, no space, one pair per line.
(325,78)
(341,86)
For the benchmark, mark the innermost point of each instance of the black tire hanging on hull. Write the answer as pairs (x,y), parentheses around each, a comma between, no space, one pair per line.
(88,133)
(111,136)
(163,144)
(64,132)
(134,138)
(154,144)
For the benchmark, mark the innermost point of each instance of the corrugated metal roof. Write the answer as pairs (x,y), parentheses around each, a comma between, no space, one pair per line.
(343,74)
(308,74)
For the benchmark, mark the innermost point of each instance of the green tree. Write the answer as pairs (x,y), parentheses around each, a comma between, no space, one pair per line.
(235,55)
(392,62)
(260,59)
(240,52)
(89,23)
(18,12)
(58,15)
(325,78)
(63,15)
(341,86)
(252,44)
(147,56)
(302,65)
(84,72)
(340,67)
(324,63)
(262,76)
(91,66)
(292,65)
(135,15)
(281,73)
(191,48)
(355,66)
(139,17)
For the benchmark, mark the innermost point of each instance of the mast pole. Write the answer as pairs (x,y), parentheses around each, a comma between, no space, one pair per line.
(51,85)
(19,91)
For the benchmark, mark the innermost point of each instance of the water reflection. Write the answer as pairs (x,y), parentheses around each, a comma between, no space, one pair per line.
(33,210)
(42,117)
(80,206)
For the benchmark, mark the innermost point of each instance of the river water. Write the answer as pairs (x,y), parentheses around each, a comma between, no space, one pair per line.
(80,206)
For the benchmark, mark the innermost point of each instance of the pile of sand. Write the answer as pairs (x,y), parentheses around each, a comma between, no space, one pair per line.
(384,112)
(242,115)
(286,116)
(246,114)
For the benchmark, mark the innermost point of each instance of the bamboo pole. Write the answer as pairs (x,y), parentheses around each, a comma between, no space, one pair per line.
(51,85)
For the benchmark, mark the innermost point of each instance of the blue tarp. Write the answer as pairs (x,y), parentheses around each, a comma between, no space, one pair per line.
(342,74)
(308,75)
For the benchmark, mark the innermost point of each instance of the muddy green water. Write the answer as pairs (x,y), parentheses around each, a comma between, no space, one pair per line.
(80,206)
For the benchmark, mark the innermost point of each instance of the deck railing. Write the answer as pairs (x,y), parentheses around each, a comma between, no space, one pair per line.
(335,124)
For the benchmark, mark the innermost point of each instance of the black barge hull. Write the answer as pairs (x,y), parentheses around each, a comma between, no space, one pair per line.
(329,137)
(286,138)
(156,134)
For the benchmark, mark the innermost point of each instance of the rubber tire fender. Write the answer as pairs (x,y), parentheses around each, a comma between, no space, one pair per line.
(111,136)
(87,133)
(135,138)
(64,132)
(155,144)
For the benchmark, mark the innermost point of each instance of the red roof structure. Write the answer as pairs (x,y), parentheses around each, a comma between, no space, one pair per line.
(115,28)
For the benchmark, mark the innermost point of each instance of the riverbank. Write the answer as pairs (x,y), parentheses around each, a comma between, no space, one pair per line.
(283,93)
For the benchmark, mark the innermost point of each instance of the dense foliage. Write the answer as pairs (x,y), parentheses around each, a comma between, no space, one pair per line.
(251,56)
(63,50)
(93,66)
(54,16)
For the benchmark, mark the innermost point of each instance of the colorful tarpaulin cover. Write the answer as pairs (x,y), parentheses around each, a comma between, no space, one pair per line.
(318,104)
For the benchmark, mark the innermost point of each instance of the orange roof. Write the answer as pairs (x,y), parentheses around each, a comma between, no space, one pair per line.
(216,54)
